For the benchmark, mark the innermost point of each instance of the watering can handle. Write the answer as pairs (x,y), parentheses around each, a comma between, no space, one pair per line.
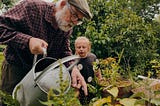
(57,63)
(44,55)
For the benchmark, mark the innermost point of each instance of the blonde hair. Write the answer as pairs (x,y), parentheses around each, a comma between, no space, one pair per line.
(84,39)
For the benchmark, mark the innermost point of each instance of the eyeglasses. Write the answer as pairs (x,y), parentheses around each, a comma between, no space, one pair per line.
(74,16)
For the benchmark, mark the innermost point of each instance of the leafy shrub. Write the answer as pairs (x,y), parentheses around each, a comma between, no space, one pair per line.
(114,89)
(7,99)
(116,26)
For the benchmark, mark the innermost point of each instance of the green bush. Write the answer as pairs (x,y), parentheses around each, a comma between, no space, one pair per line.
(116,25)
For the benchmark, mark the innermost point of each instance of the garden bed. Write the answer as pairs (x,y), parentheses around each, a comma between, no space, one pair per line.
(115,89)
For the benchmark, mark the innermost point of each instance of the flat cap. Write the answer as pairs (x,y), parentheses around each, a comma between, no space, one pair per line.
(82,6)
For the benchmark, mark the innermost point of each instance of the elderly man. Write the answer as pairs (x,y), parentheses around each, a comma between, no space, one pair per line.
(32,25)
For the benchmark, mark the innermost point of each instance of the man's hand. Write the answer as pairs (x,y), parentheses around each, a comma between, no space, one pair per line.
(36,45)
(78,80)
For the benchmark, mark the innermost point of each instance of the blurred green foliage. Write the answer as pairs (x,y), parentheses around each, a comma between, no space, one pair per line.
(6,4)
(123,24)
(118,25)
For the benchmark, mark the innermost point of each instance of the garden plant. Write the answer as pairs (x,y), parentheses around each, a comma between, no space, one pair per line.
(125,38)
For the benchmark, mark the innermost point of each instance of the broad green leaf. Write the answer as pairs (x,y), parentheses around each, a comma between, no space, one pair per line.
(128,102)
(102,101)
(114,91)
(156,101)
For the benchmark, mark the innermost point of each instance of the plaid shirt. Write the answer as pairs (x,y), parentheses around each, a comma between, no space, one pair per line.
(32,18)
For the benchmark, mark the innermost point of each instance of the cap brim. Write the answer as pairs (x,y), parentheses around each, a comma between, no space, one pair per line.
(86,14)
(83,12)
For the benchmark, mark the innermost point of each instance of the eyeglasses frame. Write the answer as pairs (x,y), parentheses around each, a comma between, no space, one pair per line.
(74,16)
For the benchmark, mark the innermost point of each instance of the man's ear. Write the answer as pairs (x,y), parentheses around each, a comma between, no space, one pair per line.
(63,3)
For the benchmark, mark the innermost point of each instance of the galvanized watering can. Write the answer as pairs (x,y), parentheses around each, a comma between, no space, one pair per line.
(36,84)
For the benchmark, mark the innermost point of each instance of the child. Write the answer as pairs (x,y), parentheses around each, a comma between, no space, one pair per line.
(83,49)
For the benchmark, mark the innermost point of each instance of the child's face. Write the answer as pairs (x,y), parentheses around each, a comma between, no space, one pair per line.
(82,48)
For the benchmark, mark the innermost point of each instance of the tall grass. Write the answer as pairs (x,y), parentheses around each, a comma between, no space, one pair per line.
(1,59)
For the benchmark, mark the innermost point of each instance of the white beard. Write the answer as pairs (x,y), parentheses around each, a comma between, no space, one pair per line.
(63,25)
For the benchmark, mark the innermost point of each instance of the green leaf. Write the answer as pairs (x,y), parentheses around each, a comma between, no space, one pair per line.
(48,103)
(128,102)
(138,94)
(91,88)
(156,101)
(114,91)
(102,101)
